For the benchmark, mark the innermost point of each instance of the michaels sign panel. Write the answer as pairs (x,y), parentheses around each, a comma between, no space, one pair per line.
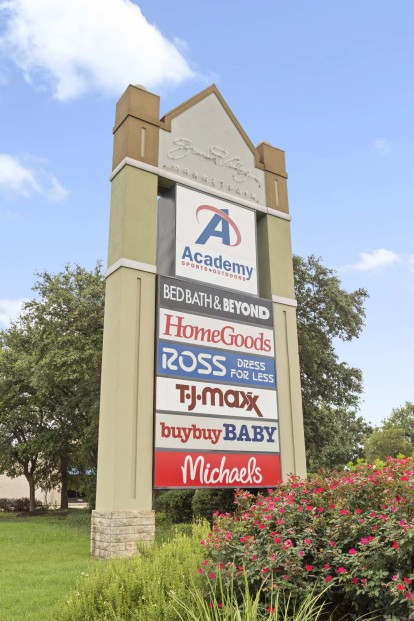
(215,240)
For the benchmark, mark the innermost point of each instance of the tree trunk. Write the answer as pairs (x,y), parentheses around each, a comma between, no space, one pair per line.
(32,497)
(64,483)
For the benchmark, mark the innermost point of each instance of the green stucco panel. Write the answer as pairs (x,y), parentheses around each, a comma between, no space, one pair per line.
(275,257)
(133,220)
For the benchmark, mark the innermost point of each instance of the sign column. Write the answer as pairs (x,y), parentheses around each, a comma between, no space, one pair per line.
(277,284)
(123,512)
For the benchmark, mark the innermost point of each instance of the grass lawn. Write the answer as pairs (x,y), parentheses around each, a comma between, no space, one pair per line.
(40,559)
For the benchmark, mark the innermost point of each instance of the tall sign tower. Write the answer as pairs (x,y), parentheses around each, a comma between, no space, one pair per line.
(200,375)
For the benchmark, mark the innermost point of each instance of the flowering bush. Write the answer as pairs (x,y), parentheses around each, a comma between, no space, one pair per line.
(353,532)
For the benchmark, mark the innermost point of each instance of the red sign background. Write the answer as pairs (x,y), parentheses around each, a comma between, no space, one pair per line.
(194,469)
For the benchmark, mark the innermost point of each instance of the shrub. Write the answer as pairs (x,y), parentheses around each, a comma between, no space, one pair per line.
(353,532)
(208,501)
(139,588)
(176,504)
(18,504)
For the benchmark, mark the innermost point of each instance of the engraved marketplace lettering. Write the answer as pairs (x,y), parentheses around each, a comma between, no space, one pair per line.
(218,155)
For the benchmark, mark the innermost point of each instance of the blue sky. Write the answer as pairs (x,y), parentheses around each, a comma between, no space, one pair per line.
(331,83)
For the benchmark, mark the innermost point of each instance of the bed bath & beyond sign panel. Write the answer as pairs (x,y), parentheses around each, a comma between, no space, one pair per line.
(216,422)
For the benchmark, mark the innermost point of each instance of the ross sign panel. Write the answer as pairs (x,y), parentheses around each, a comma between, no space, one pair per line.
(190,362)
(215,241)
(216,421)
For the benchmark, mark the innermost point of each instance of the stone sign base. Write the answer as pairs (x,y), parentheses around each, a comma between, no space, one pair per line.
(115,534)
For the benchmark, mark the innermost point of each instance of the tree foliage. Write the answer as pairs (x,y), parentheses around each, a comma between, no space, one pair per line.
(394,437)
(50,377)
(402,418)
(331,389)
(386,442)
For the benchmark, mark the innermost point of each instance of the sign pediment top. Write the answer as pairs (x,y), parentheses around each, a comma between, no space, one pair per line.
(166,120)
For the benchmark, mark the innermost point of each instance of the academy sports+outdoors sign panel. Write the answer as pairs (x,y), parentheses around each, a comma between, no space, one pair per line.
(216,406)
(215,241)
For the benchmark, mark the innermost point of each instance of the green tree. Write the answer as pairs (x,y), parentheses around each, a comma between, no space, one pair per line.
(403,418)
(331,389)
(23,422)
(387,442)
(60,371)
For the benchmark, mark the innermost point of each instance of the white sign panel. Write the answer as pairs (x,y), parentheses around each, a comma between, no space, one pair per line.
(181,395)
(180,432)
(215,241)
(211,332)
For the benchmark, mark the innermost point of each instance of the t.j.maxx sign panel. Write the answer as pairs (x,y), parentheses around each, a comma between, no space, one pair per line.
(216,420)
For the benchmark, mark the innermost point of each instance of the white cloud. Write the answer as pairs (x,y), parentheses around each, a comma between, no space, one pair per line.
(373,261)
(19,178)
(9,311)
(75,46)
(382,146)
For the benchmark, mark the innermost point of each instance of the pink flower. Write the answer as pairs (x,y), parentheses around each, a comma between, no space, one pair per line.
(205,563)
(328,578)
(408,595)
(352,551)
(265,570)
(358,510)
(395,546)
(301,553)
(277,540)
(332,544)
(407,580)
(211,575)
(400,587)
(200,571)
(341,570)
(354,580)
(262,526)
(308,567)
(271,610)
(307,541)
(326,566)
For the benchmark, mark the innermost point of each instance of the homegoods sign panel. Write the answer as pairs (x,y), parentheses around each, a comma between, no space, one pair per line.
(216,422)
